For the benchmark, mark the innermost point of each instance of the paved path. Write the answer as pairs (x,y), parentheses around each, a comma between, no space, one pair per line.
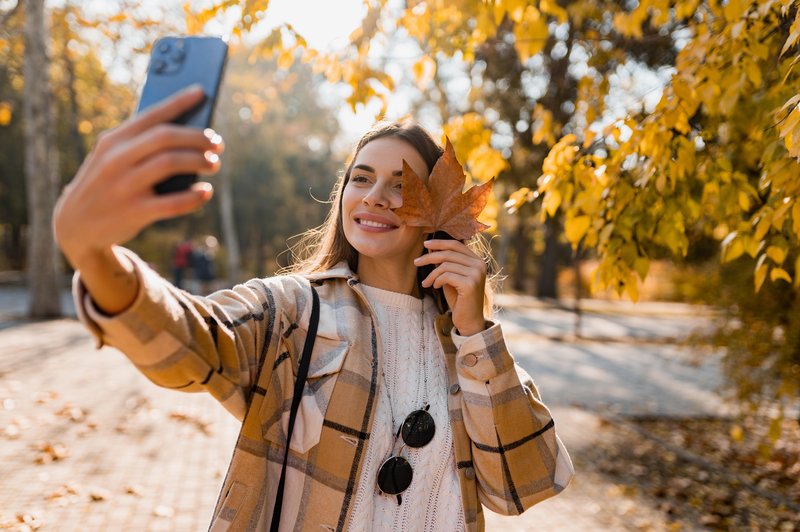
(87,443)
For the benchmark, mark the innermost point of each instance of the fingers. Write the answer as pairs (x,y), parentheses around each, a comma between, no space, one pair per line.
(449,250)
(458,265)
(448,245)
(165,111)
(178,203)
(164,137)
(162,112)
(155,169)
(454,274)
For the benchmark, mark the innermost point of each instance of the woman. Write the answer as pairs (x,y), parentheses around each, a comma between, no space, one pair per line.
(385,354)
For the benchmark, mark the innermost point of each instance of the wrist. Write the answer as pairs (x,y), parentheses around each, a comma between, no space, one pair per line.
(471,328)
(83,258)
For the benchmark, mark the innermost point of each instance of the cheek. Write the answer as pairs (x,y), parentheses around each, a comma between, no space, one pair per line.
(349,199)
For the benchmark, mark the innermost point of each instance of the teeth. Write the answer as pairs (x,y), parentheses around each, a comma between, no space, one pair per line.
(370,223)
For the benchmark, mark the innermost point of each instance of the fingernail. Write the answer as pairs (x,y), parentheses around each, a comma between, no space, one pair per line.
(193,88)
(205,189)
(211,157)
(417,260)
(212,135)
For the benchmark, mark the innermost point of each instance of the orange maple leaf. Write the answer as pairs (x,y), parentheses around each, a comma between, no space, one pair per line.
(440,205)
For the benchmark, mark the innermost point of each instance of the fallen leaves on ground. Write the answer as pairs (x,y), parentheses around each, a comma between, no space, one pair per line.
(72,412)
(99,494)
(50,452)
(200,424)
(21,522)
(134,489)
(712,496)
(64,495)
(46,397)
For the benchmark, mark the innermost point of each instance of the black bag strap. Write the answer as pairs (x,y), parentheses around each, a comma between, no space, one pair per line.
(299,384)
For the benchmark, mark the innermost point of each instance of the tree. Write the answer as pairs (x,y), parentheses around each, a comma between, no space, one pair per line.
(283,155)
(716,156)
(84,101)
(41,167)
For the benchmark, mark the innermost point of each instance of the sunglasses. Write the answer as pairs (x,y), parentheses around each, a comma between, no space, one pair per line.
(395,474)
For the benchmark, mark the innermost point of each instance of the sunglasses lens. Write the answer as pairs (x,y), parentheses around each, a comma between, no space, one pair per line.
(395,475)
(418,428)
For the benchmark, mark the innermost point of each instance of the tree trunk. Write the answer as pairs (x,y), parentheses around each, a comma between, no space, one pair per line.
(41,168)
(522,251)
(548,271)
(230,240)
(77,139)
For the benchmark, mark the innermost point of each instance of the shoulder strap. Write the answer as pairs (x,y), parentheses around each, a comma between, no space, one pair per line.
(299,384)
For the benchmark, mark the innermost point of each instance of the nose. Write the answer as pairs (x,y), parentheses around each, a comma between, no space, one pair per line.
(376,197)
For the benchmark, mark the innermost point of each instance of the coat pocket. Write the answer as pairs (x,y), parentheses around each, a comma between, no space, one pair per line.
(327,359)
(231,505)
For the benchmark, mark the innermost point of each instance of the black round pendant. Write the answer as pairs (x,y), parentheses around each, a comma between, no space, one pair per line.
(418,428)
(395,475)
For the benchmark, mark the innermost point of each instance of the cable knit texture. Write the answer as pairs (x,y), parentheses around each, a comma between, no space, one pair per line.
(433,501)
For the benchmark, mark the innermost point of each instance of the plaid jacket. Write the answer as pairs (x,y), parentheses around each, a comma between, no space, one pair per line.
(506,449)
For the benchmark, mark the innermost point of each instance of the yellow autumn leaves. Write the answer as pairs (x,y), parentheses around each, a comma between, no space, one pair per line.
(719,154)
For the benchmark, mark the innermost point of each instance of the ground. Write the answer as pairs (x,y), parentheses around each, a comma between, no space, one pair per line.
(88,443)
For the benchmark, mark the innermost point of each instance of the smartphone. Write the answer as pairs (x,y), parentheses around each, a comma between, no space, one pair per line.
(176,63)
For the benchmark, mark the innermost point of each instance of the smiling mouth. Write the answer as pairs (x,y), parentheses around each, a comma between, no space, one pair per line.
(378,225)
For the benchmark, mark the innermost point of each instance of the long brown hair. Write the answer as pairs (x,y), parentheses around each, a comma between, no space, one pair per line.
(323,247)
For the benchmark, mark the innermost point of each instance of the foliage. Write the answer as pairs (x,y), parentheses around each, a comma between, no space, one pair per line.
(706,155)
(761,338)
(716,156)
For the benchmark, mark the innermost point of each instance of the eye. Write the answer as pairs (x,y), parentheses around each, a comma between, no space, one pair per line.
(359,178)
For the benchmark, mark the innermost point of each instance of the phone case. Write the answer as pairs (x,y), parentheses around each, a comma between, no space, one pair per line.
(176,63)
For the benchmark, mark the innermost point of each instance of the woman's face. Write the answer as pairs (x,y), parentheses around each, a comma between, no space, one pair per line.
(370,197)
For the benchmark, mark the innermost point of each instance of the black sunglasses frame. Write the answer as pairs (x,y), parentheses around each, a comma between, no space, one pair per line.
(395,474)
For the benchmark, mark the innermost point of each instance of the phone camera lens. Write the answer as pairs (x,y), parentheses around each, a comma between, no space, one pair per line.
(159,65)
(164,47)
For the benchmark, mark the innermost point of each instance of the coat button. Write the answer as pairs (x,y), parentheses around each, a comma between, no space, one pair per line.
(469,473)
(454,389)
(470,359)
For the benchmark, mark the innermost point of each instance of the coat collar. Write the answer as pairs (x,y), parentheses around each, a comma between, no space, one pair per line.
(340,271)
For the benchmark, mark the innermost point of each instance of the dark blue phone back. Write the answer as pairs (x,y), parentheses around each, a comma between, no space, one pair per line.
(178,62)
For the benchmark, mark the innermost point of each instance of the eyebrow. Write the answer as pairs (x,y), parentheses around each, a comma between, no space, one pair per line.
(370,169)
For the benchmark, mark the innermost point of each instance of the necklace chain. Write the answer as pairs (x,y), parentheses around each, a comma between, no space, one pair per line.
(424,367)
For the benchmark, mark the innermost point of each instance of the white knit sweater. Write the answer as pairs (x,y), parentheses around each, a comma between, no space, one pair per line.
(433,500)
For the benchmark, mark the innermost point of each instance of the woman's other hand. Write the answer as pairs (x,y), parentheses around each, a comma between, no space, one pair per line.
(462,275)
(111,198)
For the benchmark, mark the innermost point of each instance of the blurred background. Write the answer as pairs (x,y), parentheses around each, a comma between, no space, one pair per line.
(645,151)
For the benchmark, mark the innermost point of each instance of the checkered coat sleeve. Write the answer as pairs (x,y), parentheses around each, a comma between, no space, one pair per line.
(516,455)
(195,344)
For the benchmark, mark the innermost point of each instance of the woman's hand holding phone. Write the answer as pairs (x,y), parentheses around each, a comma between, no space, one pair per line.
(111,198)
